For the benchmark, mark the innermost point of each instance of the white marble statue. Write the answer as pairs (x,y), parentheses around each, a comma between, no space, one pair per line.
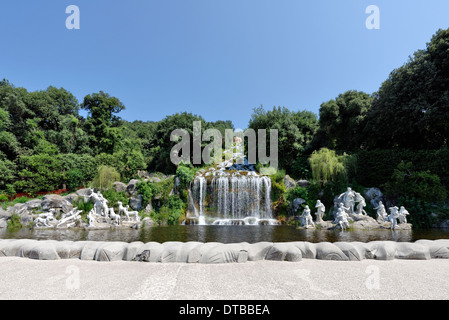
(100,204)
(134,214)
(42,222)
(392,217)
(342,219)
(320,211)
(115,217)
(402,215)
(381,212)
(72,216)
(121,208)
(348,199)
(361,204)
(91,217)
(307,218)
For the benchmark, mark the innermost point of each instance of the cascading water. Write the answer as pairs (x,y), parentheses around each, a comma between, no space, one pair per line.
(229,194)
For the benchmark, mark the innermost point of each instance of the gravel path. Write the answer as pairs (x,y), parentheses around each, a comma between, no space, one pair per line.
(23,279)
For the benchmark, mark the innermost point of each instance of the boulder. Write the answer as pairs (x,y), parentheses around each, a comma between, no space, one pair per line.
(131,250)
(89,249)
(226,253)
(438,249)
(12,247)
(383,250)
(85,193)
(112,251)
(72,197)
(135,202)
(308,250)
(175,251)
(284,251)
(374,195)
(412,251)
(131,188)
(303,183)
(35,204)
(297,204)
(354,252)
(258,251)
(149,252)
(3,223)
(329,251)
(289,182)
(119,186)
(44,250)
(54,201)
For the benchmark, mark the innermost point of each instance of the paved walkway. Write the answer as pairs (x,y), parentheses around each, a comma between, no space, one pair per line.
(22,278)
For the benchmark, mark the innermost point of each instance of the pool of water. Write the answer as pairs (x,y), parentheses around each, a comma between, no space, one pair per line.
(226,234)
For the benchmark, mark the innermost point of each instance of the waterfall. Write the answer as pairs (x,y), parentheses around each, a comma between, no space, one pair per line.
(231,193)
(238,198)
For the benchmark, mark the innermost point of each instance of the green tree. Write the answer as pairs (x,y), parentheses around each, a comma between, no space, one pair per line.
(105,177)
(342,121)
(295,131)
(326,165)
(410,110)
(102,124)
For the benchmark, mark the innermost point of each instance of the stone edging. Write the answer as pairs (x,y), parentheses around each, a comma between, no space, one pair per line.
(215,252)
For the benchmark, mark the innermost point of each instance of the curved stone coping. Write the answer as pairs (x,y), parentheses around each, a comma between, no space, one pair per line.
(215,252)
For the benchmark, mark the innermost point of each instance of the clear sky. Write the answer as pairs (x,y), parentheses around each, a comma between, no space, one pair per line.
(215,58)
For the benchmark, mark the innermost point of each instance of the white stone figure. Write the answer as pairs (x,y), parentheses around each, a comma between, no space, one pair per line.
(41,222)
(73,217)
(113,216)
(381,212)
(122,209)
(91,217)
(394,214)
(348,199)
(307,217)
(134,214)
(361,204)
(402,215)
(320,211)
(49,216)
(100,204)
(342,219)
(341,207)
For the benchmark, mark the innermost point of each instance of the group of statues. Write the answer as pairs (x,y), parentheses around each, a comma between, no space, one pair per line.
(395,213)
(100,211)
(47,219)
(349,206)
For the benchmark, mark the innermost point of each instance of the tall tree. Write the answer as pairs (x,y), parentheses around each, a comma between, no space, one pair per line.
(102,122)
(295,130)
(342,121)
(411,109)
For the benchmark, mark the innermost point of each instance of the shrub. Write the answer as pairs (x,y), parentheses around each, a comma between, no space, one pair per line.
(185,175)
(146,190)
(113,196)
(14,223)
(421,185)
(75,178)
(326,165)
(105,177)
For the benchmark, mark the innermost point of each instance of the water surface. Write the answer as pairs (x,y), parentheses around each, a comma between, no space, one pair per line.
(226,234)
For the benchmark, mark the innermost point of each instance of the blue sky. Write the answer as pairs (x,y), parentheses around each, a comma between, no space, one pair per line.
(215,58)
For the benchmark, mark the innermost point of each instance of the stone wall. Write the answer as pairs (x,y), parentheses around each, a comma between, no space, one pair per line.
(215,252)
